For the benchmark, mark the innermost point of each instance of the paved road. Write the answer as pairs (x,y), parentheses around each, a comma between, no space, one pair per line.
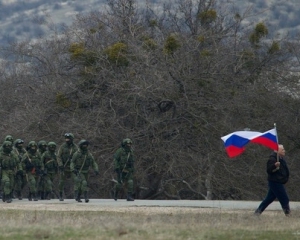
(233,205)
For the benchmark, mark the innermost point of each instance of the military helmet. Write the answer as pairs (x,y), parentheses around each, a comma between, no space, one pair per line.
(9,138)
(18,141)
(7,144)
(32,143)
(42,143)
(69,135)
(83,142)
(126,141)
(51,144)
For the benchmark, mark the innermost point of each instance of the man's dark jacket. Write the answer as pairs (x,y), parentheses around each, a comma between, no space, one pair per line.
(282,174)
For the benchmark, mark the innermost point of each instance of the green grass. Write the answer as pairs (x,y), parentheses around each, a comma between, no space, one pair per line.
(25,224)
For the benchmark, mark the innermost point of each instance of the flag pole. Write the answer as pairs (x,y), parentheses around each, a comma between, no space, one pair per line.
(277,144)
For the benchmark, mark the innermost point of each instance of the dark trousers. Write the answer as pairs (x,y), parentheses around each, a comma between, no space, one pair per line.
(276,190)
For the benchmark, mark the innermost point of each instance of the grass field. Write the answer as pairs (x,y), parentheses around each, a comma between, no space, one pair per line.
(147,223)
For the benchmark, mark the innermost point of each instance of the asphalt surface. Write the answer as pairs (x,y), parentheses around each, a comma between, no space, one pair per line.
(216,204)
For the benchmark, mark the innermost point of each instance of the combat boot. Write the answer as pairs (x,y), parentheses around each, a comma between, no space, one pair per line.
(19,195)
(30,196)
(86,199)
(8,198)
(61,196)
(3,197)
(116,195)
(12,194)
(77,196)
(41,195)
(35,197)
(47,196)
(129,197)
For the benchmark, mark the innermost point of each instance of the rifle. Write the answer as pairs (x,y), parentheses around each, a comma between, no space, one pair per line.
(69,159)
(41,178)
(51,160)
(119,176)
(120,171)
(78,172)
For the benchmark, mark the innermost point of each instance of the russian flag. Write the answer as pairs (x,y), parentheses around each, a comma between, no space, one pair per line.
(235,142)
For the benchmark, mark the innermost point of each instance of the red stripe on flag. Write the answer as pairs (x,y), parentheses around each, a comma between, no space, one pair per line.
(233,151)
(266,142)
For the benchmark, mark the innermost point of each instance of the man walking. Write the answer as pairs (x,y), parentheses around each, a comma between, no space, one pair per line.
(64,156)
(278,175)
(34,168)
(20,182)
(50,167)
(82,160)
(9,165)
(124,167)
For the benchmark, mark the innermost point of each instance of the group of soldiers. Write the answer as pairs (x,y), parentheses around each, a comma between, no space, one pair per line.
(37,165)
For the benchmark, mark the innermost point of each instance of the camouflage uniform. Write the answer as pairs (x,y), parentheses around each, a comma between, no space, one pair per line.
(20,180)
(34,168)
(124,167)
(64,157)
(82,160)
(7,138)
(9,166)
(42,147)
(50,168)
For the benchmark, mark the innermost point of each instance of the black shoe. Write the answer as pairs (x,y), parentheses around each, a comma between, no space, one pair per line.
(29,196)
(77,196)
(86,199)
(8,198)
(19,195)
(12,194)
(47,196)
(287,212)
(257,212)
(61,196)
(129,197)
(35,197)
(116,195)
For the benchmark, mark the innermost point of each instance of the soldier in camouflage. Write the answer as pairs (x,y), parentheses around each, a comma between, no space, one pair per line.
(7,138)
(34,168)
(42,147)
(50,167)
(124,167)
(64,156)
(9,165)
(82,160)
(20,182)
